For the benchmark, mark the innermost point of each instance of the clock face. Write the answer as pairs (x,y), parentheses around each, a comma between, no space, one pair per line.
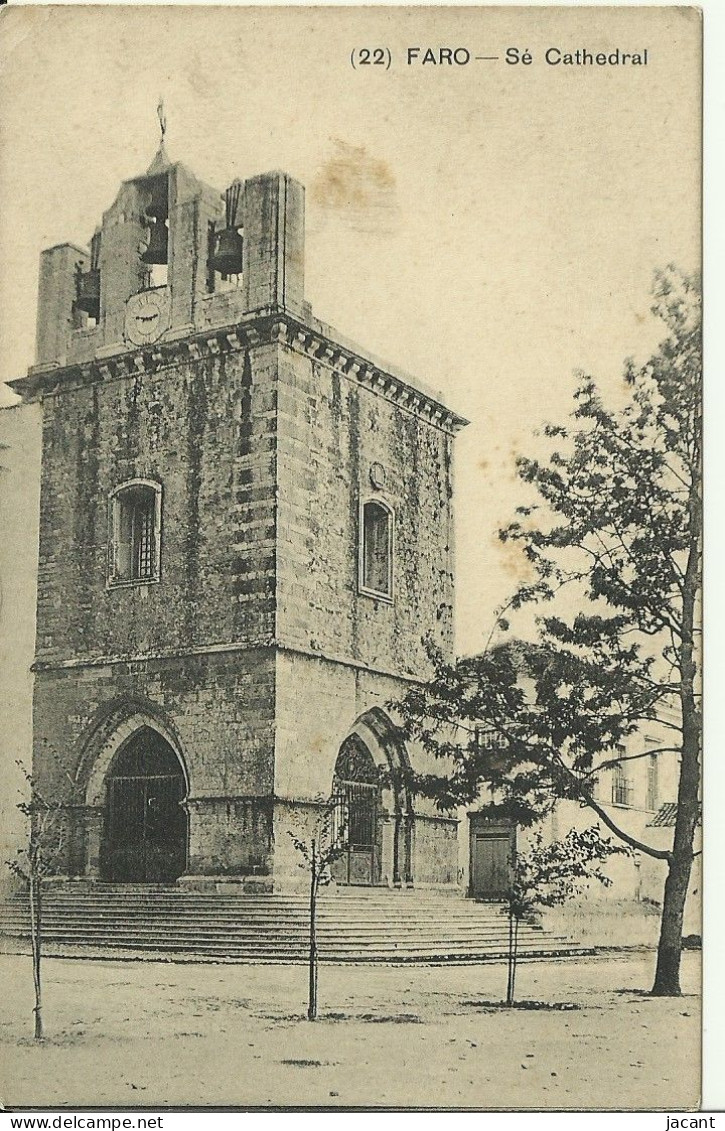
(147,316)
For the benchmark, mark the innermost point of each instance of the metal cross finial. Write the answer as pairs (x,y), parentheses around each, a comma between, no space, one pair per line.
(162,118)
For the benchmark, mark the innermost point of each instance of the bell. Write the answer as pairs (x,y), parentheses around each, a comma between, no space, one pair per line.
(158,247)
(88,292)
(227,257)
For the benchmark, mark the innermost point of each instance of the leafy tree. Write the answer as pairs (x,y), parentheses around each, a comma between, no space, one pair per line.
(547,875)
(326,843)
(615,531)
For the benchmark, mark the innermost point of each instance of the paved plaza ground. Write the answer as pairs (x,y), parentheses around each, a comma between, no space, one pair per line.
(154,1034)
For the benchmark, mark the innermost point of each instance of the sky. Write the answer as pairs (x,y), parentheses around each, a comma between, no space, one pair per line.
(490,228)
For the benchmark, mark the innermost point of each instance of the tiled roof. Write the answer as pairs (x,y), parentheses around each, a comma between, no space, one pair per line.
(665,816)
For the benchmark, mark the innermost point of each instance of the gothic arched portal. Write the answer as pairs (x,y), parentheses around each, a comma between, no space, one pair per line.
(145,824)
(356,788)
(374,804)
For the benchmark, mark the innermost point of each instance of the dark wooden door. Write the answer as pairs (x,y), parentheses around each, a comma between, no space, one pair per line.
(491,864)
(145,838)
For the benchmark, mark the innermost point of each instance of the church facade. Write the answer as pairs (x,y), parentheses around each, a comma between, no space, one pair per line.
(246,533)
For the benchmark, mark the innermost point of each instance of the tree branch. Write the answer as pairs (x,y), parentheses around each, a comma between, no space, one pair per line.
(655,853)
(608,765)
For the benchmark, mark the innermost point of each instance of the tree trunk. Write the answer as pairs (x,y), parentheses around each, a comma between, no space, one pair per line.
(312,997)
(515,958)
(511,962)
(669,951)
(35,942)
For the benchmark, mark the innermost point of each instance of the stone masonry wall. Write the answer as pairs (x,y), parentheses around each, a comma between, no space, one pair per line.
(318,703)
(221,708)
(331,429)
(206,431)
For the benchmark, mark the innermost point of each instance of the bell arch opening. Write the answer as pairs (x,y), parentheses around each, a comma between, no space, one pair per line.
(145,822)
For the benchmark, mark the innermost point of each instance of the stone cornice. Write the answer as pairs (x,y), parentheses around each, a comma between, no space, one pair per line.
(270,644)
(317,345)
(255,329)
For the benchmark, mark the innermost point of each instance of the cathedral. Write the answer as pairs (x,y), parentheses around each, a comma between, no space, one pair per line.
(246,534)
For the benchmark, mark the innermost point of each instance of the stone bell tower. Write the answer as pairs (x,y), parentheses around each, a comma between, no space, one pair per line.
(151,275)
(245,534)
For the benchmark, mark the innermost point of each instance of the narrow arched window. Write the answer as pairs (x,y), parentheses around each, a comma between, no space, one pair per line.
(135,522)
(376,549)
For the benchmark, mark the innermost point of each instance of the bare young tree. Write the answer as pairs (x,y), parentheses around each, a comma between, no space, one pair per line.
(326,843)
(46,844)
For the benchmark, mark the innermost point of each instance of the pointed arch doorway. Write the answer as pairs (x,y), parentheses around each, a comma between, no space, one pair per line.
(145,823)
(356,792)
(374,804)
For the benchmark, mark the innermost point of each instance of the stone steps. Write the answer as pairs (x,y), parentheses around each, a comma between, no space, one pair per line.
(169,941)
(296,923)
(354,925)
(234,920)
(195,933)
